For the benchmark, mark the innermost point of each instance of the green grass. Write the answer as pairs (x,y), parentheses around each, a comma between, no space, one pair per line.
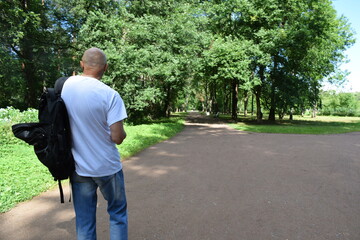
(302,125)
(22,176)
(142,136)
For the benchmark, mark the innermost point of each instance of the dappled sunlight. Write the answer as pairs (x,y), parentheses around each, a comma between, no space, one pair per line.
(213,129)
(206,125)
(143,168)
(166,154)
(328,119)
(151,171)
(169,142)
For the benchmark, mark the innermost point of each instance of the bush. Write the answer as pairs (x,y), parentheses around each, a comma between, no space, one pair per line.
(341,112)
(10,116)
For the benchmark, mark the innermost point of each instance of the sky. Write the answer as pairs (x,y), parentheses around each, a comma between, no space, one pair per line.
(350,9)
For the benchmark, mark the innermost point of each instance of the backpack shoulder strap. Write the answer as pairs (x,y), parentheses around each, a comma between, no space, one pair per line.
(61,192)
(59,84)
(51,95)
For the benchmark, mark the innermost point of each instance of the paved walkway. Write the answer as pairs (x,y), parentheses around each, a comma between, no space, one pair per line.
(213,182)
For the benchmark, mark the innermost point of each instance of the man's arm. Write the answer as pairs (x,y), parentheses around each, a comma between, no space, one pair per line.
(118,133)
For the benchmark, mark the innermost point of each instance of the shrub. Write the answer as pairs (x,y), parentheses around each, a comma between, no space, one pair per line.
(10,116)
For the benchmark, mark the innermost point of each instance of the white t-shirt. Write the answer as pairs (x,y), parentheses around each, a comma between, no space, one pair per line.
(92,107)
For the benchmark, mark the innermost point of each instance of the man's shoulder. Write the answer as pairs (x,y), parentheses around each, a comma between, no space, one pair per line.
(88,84)
(105,88)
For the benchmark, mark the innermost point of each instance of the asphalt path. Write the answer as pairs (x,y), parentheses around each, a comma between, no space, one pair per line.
(214,182)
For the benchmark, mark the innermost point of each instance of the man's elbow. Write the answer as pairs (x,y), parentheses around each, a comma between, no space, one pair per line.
(118,139)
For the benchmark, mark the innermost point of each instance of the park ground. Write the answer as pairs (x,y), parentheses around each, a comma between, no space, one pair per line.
(213,182)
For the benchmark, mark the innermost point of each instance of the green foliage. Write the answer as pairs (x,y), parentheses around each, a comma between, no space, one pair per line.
(293,46)
(13,115)
(150,56)
(10,116)
(144,135)
(33,48)
(228,59)
(165,55)
(22,176)
(339,104)
(12,88)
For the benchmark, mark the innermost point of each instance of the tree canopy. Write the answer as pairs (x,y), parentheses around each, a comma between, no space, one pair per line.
(169,55)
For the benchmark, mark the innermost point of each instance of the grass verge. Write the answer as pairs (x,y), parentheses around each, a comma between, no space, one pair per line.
(22,176)
(142,136)
(302,125)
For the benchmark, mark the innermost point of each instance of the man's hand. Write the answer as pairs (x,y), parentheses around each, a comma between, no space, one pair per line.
(118,133)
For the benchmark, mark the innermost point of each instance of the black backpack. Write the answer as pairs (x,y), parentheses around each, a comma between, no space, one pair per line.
(51,136)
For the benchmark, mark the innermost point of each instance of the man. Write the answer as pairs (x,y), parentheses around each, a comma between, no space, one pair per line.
(96,114)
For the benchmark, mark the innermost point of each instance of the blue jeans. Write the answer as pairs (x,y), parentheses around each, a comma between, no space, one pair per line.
(84,190)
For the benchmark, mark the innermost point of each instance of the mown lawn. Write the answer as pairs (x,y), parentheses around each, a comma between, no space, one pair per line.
(302,125)
(22,176)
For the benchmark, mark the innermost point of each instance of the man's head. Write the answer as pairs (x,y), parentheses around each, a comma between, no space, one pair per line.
(93,63)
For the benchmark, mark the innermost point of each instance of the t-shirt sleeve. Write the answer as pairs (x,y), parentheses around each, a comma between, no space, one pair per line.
(117,111)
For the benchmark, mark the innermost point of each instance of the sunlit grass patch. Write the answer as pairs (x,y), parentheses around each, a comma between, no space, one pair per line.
(302,125)
(145,135)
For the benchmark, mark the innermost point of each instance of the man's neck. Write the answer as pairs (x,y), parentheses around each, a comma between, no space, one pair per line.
(91,75)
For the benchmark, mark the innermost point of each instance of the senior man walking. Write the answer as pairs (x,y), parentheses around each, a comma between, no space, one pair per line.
(96,114)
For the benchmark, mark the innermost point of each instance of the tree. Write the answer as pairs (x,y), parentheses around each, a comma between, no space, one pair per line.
(33,45)
(342,104)
(305,41)
(163,54)
(10,79)
(21,31)
(227,63)
(152,54)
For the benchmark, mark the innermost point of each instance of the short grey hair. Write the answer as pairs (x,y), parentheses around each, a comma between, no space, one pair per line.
(94,57)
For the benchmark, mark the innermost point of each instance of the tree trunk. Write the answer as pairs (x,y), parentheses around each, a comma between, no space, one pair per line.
(259,114)
(234,99)
(166,109)
(216,106)
(205,108)
(272,105)
(28,67)
(224,104)
(272,101)
(229,101)
(315,100)
(281,115)
(314,111)
(31,82)
(252,104)
(246,101)
(258,89)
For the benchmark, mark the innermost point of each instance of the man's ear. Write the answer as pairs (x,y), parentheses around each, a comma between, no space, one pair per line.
(106,67)
(82,65)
